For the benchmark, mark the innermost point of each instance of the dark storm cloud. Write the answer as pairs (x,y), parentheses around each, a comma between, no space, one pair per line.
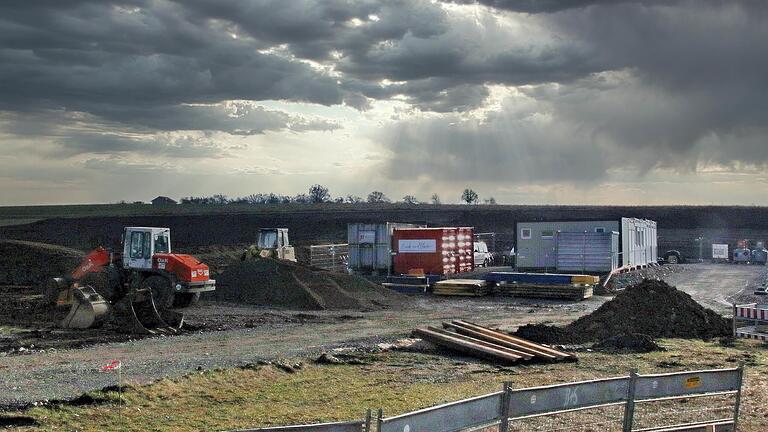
(122,56)
(683,89)
(139,62)
(598,85)
(536,6)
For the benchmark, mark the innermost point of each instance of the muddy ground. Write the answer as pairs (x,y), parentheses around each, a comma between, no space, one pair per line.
(225,335)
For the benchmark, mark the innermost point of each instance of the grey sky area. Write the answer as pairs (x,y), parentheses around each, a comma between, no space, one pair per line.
(570,101)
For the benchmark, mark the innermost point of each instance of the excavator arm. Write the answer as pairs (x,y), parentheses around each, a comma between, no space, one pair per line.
(92,263)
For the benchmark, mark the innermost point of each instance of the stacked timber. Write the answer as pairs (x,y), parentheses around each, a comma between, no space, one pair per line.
(544,285)
(462,287)
(489,344)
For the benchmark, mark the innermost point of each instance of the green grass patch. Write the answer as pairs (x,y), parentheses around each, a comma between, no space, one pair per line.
(395,381)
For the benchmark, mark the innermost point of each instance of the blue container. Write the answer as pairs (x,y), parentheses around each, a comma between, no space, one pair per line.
(530,278)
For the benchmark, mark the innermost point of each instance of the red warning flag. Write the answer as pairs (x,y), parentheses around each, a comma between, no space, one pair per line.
(113,365)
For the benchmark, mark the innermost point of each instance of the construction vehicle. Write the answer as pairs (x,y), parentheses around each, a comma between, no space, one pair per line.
(272,243)
(759,255)
(138,287)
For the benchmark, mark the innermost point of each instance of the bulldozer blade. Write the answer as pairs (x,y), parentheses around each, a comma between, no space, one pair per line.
(88,310)
(137,313)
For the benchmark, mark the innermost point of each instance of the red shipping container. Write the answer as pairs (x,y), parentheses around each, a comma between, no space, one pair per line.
(437,251)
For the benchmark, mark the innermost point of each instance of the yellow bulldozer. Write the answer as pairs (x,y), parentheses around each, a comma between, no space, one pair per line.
(272,243)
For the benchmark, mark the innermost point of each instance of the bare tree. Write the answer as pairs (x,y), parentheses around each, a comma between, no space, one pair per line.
(353,199)
(220,199)
(469,196)
(436,199)
(319,193)
(377,197)
(410,199)
(302,199)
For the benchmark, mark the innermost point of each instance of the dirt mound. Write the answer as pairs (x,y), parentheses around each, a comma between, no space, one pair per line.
(651,308)
(624,280)
(30,263)
(631,342)
(285,284)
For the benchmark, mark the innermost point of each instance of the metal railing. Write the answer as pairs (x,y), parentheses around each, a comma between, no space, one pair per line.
(331,257)
(348,426)
(634,403)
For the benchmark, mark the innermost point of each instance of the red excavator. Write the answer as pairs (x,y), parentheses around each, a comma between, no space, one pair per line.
(138,288)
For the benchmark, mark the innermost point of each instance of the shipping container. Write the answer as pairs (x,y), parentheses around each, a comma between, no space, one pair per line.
(370,246)
(437,251)
(593,252)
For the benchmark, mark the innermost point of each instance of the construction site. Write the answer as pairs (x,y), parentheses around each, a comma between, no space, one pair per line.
(394,325)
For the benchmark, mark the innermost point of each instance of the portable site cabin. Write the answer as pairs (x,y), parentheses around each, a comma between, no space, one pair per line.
(586,246)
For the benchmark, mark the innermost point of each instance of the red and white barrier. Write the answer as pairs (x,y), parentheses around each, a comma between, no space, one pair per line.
(752,311)
(754,314)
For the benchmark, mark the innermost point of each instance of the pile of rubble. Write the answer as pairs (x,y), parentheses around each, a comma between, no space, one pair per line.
(285,284)
(652,308)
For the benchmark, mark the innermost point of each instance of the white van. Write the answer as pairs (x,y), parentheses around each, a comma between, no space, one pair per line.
(482,256)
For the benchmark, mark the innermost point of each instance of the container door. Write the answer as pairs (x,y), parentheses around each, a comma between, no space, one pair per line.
(547,253)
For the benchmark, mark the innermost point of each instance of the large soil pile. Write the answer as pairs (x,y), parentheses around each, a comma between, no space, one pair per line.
(285,284)
(650,308)
(30,263)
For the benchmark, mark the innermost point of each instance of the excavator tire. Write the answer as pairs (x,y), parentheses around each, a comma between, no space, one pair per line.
(183,300)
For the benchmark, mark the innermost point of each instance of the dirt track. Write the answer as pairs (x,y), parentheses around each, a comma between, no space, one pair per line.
(275,334)
(68,373)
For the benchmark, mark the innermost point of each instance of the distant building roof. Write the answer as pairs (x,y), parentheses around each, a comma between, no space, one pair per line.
(163,200)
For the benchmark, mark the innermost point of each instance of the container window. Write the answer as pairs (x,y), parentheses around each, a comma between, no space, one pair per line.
(599,229)
(525,233)
(547,234)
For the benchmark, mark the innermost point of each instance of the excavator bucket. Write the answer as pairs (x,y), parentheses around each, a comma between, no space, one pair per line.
(88,310)
(137,313)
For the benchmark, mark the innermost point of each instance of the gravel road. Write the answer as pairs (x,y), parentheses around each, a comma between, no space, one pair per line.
(718,286)
(66,374)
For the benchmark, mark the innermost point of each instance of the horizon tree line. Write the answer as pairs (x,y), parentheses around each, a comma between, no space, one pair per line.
(320,194)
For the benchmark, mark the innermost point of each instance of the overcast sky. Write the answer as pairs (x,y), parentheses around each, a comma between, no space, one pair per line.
(530,101)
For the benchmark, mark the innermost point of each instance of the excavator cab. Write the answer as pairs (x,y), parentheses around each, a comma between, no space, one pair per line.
(141,243)
(272,243)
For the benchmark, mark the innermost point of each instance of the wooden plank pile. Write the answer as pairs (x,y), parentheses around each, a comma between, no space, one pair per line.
(462,287)
(489,344)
